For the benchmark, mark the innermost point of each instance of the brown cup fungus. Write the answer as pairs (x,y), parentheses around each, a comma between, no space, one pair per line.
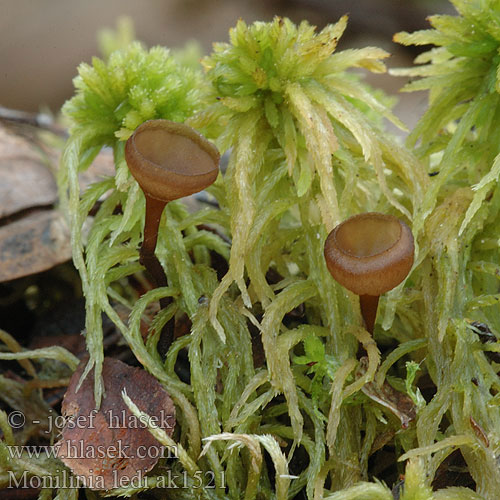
(169,161)
(370,254)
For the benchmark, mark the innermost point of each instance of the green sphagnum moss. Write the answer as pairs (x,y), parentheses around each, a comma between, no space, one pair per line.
(305,149)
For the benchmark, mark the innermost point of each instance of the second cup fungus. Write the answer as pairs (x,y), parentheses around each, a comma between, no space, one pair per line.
(169,161)
(370,254)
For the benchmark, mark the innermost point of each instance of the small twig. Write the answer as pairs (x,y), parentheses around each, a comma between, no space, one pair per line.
(38,120)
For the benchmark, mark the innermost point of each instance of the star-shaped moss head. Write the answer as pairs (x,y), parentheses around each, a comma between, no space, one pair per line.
(463,68)
(132,86)
(261,59)
(262,62)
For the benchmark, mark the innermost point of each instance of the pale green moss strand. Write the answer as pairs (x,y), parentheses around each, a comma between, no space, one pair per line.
(363,491)
(277,359)
(347,467)
(8,435)
(53,352)
(457,493)
(204,358)
(132,209)
(370,434)
(172,252)
(318,452)
(448,163)
(395,355)
(256,459)
(188,463)
(209,241)
(175,388)
(315,447)
(67,494)
(257,244)
(337,390)
(321,143)
(242,163)
(239,358)
(467,403)
(73,156)
(350,117)
(243,408)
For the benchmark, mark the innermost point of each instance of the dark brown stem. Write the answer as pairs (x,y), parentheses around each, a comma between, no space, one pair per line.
(368,305)
(154,211)
(147,257)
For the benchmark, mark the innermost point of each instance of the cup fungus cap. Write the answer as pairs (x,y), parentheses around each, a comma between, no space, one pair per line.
(171,160)
(370,253)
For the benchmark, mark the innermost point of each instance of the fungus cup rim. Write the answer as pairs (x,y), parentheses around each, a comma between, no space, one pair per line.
(372,274)
(180,129)
(161,182)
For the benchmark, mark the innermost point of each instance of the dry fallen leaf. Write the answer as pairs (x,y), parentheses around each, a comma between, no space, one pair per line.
(26,180)
(33,244)
(110,447)
(34,235)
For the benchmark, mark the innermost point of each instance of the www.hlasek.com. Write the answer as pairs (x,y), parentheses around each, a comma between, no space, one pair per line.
(82,450)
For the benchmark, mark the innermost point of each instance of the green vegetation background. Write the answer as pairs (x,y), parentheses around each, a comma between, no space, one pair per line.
(306,149)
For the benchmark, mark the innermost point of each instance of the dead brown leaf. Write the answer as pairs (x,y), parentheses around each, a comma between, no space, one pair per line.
(110,447)
(26,180)
(33,244)
(31,239)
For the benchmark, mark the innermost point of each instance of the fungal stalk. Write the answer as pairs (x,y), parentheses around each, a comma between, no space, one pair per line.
(169,161)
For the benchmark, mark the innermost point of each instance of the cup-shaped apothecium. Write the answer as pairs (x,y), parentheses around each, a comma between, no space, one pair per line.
(370,254)
(169,161)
